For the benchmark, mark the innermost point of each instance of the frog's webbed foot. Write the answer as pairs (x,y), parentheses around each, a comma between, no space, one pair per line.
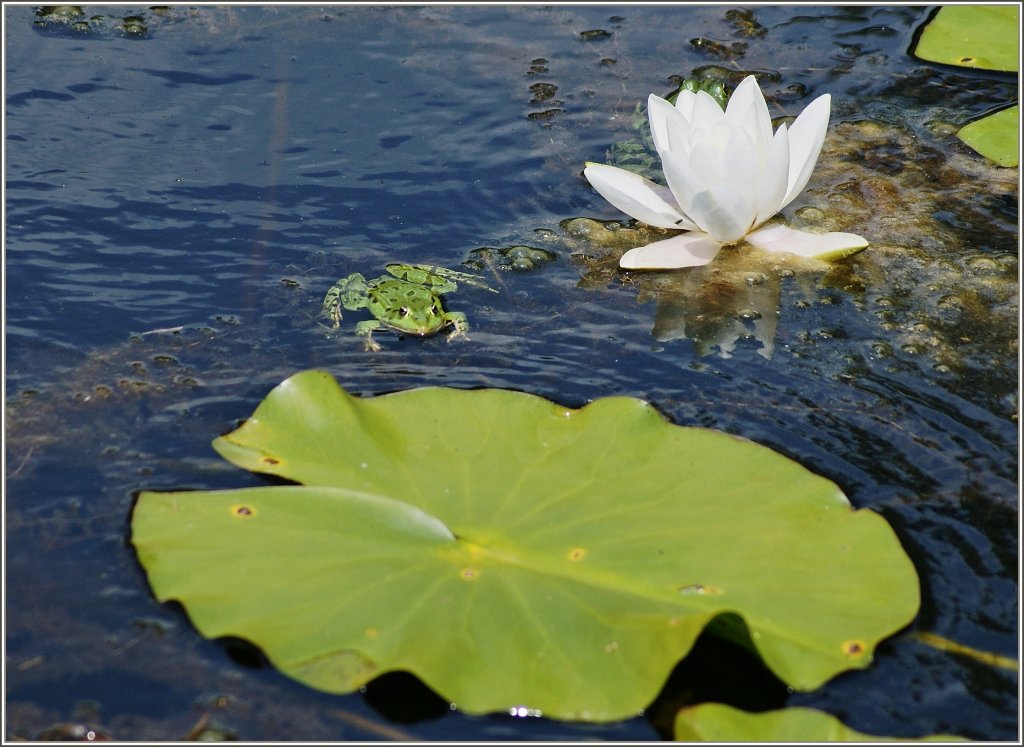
(435,278)
(438,279)
(366,329)
(331,307)
(459,324)
(451,277)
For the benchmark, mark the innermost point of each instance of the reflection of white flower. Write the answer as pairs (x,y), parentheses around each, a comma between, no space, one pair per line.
(727,174)
(717,306)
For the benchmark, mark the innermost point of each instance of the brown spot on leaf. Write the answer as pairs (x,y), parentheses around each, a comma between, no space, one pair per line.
(853,648)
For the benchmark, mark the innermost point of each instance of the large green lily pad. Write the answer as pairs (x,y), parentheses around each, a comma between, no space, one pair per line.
(716,722)
(981,36)
(514,553)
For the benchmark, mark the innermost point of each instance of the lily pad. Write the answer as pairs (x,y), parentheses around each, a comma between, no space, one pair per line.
(715,722)
(987,37)
(996,136)
(514,553)
(980,36)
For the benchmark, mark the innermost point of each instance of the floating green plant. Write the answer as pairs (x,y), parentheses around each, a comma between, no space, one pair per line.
(995,136)
(985,37)
(715,722)
(517,554)
(981,36)
(518,257)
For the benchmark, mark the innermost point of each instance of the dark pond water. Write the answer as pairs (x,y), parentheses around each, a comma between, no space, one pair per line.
(182,189)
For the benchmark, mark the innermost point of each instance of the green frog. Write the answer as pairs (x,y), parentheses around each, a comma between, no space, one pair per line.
(408,300)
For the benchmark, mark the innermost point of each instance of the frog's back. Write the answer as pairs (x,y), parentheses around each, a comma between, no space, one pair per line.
(406,307)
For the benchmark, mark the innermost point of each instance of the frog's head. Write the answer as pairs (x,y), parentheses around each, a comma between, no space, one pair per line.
(416,311)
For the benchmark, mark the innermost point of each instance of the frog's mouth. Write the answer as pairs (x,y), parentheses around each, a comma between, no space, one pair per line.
(422,331)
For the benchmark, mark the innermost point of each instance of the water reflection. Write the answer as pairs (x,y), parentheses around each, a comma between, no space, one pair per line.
(736,297)
(716,308)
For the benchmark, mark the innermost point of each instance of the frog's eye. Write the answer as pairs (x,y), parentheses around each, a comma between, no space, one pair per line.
(403,311)
(435,310)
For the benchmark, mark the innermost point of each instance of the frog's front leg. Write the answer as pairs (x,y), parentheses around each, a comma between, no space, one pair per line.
(352,291)
(367,329)
(349,292)
(460,324)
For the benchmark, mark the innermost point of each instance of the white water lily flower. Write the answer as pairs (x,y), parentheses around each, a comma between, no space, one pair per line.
(727,174)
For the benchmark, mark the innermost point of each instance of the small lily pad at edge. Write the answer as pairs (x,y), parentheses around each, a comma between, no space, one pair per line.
(715,722)
(996,136)
(986,37)
(980,36)
(514,553)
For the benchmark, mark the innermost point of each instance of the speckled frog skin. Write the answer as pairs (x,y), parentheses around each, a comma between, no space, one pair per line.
(408,301)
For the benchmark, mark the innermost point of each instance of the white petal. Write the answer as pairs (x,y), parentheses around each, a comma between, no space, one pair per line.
(636,196)
(681,179)
(733,166)
(684,103)
(706,111)
(741,165)
(724,214)
(715,133)
(774,179)
(806,135)
(717,210)
(747,109)
(669,128)
(708,167)
(686,250)
(780,238)
(741,97)
(657,113)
